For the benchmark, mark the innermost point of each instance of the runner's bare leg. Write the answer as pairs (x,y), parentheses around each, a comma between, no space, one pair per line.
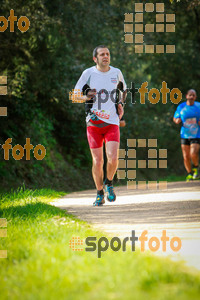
(194,154)
(112,158)
(97,167)
(186,157)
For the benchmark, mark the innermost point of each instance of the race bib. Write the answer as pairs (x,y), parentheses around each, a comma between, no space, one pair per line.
(190,122)
(102,114)
(190,128)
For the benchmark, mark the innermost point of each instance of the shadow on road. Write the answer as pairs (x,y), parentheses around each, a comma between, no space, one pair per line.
(146,213)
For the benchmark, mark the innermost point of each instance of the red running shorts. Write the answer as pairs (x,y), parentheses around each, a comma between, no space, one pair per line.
(97,135)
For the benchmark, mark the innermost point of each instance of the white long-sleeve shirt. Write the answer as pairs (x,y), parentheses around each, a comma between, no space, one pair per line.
(104,83)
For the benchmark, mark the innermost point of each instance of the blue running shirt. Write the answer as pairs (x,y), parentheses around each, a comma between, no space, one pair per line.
(190,116)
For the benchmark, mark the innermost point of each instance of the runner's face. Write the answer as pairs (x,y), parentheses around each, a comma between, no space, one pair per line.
(103,57)
(191,96)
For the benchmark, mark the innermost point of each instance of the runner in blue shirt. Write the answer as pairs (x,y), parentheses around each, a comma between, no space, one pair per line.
(188,113)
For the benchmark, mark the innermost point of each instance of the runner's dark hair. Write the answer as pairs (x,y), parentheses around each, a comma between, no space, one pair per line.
(96,49)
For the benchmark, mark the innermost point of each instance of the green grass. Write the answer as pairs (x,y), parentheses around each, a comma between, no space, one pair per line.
(40,264)
(173,178)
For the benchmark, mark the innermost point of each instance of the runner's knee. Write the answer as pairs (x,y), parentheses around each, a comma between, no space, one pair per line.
(112,160)
(194,153)
(98,162)
(186,156)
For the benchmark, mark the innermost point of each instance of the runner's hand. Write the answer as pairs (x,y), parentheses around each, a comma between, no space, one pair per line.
(177,120)
(120,111)
(91,94)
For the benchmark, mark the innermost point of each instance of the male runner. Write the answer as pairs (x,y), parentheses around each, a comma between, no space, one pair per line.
(189,114)
(99,85)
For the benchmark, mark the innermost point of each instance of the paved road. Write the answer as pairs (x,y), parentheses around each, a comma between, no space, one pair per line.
(175,209)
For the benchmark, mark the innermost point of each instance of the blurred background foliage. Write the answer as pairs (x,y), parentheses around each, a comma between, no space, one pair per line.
(44,64)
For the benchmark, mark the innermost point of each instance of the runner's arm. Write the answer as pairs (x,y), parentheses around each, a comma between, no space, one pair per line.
(120,105)
(176,118)
(82,92)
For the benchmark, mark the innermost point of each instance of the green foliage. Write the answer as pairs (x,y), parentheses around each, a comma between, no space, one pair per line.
(44,63)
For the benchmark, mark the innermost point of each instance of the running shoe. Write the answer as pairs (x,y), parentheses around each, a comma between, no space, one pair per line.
(189,177)
(196,174)
(99,200)
(110,192)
